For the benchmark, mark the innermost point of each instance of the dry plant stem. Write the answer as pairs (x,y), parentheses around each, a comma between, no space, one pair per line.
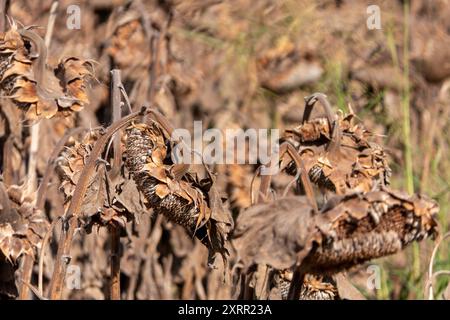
(296,284)
(70,223)
(335,142)
(35,291)
(266,179)
(117,114)
(42,254)
(34,145)
(4,6)
(115,263)
(429,283)
(309,104)
(51,23)
(116,84)
(27,267)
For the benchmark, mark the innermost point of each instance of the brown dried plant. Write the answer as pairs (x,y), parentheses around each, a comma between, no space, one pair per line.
(136,210)
(348,231)
(175,193)
(22,226)
(40,91)
(337,153)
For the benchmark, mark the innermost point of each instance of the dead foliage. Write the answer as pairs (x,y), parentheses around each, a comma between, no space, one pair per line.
(40,91)
(88,180)
(347,232)
(337,153)
(174,193)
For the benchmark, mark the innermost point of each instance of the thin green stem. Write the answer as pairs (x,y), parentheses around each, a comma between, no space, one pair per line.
(406,100)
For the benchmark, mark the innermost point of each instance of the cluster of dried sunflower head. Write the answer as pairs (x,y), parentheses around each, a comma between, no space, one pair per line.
(337,153)
(178,195)
(348,231)
(108,200)
(72,160)
(313,287)
(39,91)
(22,226)
(359,227)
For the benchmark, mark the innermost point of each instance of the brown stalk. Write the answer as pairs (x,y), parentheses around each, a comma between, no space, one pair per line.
(42,254)
(70,218)
(310,101)
(296,284)
(116,84)
(115,262)
(27,269)
(27,266)
(4,7)
(116,109)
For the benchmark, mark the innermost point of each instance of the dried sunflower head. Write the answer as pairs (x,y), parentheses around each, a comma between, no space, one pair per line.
(72,161)
(337,153)
(350,230)
(39,91)
(74,74)
(183,199)
(362,226)
(108,201)
(313,288)
(22,226)
(128,45)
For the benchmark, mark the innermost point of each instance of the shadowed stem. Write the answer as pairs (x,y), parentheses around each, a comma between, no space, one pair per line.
(116,84)
(296,284)
(115,262)
(27,270)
